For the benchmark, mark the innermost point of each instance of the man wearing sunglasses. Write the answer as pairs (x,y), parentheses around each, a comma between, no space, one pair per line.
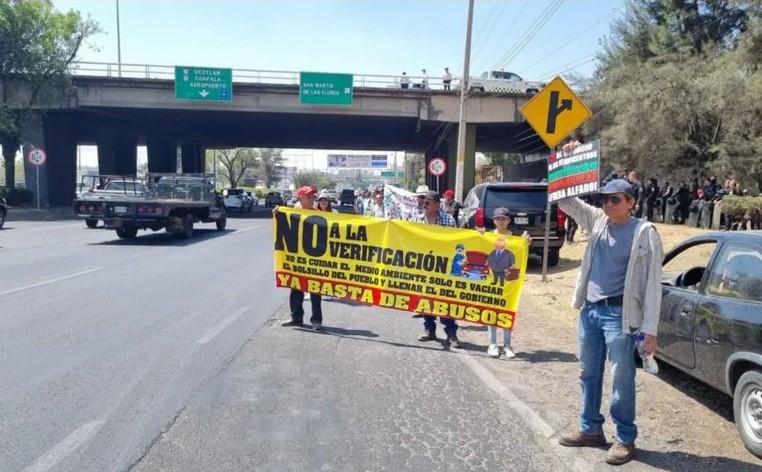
(433,214)
(618,294)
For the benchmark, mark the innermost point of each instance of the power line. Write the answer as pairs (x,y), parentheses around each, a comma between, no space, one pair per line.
(571,65)
(484,39)
(507,30)
(481,30)
(530,33)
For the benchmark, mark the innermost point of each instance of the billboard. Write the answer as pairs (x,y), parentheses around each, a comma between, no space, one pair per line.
(357,161)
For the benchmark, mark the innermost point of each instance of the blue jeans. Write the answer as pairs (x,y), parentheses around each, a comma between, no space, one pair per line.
(493,336)
(600,331)
(430,324)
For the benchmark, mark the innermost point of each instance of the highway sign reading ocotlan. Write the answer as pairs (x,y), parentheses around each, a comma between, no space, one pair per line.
(318,88)
(203,83)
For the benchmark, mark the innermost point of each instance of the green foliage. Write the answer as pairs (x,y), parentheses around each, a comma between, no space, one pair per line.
(235,164)
(270,165)
(502,158)
(678,92)
(741,206)
(16,196)
(314,178)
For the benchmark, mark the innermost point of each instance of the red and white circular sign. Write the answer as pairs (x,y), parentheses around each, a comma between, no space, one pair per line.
(437,166)
(37,157)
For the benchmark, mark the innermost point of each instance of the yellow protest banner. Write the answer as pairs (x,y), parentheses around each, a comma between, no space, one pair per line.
(434,270)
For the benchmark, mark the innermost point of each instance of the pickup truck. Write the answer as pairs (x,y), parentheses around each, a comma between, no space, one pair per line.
(173,202)
(96,189)
(500,81)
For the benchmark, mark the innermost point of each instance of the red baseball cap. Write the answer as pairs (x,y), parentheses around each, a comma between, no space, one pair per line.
(306,190)
(449,193)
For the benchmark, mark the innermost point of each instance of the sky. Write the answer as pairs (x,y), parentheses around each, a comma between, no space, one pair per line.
(352,36)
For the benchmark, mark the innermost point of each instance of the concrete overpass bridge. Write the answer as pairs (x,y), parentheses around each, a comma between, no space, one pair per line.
(118,113)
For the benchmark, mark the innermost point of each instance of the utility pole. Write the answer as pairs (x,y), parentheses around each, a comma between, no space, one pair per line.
(461,157)
(118,40)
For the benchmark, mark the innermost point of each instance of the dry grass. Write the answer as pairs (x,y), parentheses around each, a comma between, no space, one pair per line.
(555,295)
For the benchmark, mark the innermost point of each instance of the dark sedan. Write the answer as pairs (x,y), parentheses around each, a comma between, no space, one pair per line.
(711,320)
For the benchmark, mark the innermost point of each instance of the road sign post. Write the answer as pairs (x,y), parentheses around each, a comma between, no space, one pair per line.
(554,113)
(319,88)
(37,157)
(437,168)
(204,84)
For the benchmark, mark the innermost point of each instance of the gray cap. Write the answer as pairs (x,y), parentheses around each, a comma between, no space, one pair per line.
(500,212)
(618,186)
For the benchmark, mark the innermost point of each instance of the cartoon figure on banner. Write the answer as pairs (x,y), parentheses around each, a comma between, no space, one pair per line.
(458,260)
(475,266)
(501,261)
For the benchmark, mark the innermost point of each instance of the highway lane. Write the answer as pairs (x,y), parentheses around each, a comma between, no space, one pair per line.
(102,341)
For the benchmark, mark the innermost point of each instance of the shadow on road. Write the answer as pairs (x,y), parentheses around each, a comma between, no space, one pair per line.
(344,301)
(534,266)
(676,461)
(166,239)
(535,357)
(714,400)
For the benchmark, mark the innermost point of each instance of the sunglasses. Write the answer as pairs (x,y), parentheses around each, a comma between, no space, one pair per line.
(614,199)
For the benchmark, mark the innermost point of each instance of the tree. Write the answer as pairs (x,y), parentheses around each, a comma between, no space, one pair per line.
(37,46)
(502,158)
(236,163)
(314,178)
(270,165)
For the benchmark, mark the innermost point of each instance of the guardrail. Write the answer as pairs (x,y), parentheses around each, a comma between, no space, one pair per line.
(252,76)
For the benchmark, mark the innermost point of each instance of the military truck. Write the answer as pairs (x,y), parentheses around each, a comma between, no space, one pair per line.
(173,202)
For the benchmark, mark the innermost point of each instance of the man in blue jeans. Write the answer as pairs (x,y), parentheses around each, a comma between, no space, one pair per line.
(619,295)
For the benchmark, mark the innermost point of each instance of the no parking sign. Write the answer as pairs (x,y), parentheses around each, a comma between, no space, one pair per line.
(37,157)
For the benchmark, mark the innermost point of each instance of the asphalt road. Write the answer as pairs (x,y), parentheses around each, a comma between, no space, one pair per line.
(103,341)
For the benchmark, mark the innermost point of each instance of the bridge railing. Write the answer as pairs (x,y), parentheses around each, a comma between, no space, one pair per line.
(253,76)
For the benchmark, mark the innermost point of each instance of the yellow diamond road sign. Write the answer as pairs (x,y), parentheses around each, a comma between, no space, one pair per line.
(555,112)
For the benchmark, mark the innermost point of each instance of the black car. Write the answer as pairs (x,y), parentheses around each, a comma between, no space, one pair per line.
(3,211)
(526,203)
(347,197)
(710,325)
(273,199)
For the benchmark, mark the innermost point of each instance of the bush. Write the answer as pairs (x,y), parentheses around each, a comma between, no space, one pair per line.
(17,196)
(741,207)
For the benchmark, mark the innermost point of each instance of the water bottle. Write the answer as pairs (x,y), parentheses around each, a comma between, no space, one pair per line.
(649,362)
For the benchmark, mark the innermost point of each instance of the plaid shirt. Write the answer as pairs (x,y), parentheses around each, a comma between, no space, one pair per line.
(443,219)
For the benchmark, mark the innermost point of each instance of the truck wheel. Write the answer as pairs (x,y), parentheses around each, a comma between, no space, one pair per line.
(127,233)
(553,257)
(188,226)
(747,410)
(221,223)
(91,223)
(2,218)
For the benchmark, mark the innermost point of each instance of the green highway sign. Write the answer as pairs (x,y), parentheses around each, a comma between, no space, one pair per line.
(393,174)
(317,88)
(203,83)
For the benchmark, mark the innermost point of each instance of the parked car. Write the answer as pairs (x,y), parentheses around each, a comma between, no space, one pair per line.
(273,199)
(3,211)
(501,81)
(526,203)
(710,325)
(238,199)
(347,197)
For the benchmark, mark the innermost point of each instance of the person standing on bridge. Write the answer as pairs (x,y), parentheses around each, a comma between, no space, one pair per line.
(404,80)
(447,78)
(618,294)
(433,214)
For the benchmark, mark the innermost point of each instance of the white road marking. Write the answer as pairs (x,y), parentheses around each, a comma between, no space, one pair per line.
(63,449)
(51,281)
(531,417)
(212,333)
(246,229)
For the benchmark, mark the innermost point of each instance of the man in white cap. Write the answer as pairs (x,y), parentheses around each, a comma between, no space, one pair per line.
(420,194)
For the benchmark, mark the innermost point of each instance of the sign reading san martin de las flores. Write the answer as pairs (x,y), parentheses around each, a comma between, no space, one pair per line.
(203,83)
(574,171)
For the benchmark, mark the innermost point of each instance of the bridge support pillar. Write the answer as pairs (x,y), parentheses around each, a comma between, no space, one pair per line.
(162,154)
(192,156)
(446,147)
(117,152)
(59,174)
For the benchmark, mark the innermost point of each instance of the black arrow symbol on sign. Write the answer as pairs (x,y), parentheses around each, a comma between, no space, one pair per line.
(554,110)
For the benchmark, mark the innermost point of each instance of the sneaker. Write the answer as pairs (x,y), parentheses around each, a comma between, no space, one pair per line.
(509,354)
(493,350)
(428,336)
(307,296)
(453,341)
(317,326)
(417,315)
(579,439)
(291,323)
(620,453)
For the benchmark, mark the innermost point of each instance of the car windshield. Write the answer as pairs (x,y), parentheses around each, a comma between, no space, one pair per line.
(123,185)
(530,198)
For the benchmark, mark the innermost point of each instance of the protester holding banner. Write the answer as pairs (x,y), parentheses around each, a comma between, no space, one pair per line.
(324,202)
(376,206)
(619,295)
(433,214)
(306,199)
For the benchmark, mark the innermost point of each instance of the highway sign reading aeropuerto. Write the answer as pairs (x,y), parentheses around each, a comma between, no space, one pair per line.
(555,112)
(319,88)
(574,171)
(203,83)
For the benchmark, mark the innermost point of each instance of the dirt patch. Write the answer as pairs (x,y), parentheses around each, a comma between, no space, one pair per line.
(684,424)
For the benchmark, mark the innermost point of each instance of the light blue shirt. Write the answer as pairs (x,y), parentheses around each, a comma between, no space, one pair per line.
(611,255)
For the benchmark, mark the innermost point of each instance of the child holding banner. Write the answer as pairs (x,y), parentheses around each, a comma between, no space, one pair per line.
(502,220)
